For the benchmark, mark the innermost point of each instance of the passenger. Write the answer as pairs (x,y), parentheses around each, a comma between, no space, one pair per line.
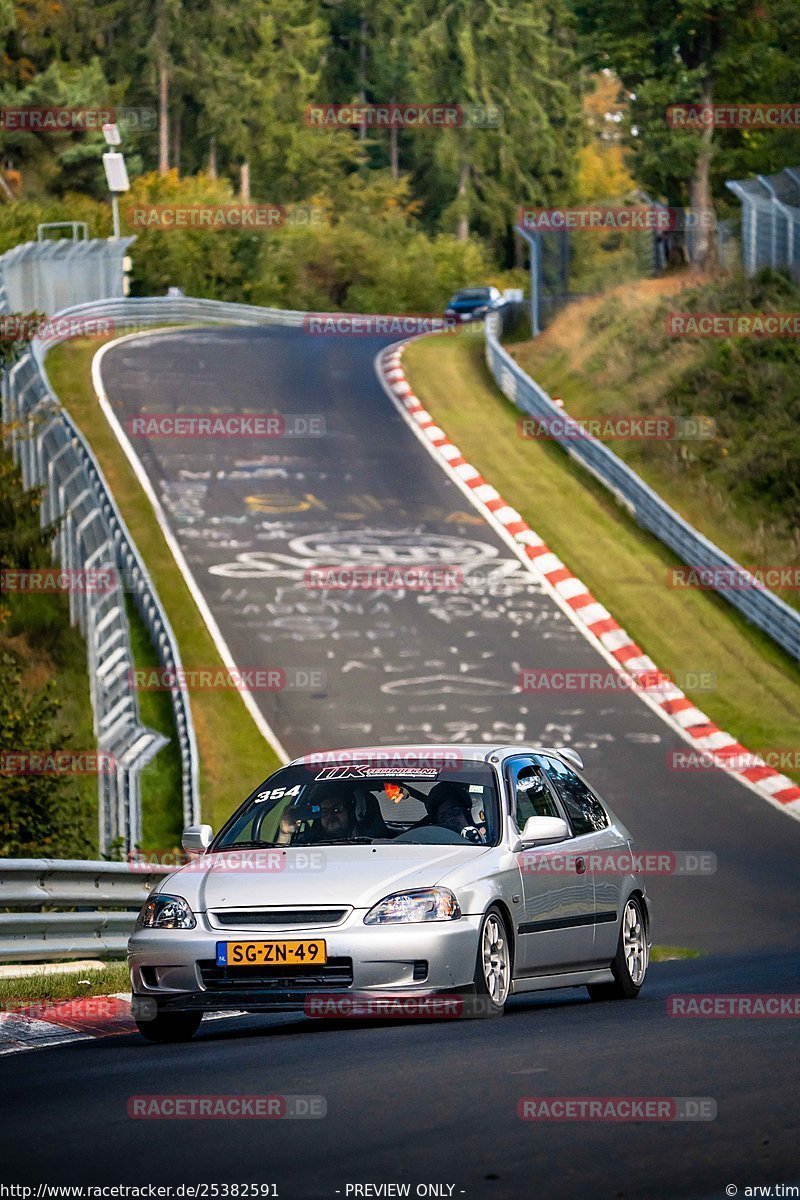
(449,805)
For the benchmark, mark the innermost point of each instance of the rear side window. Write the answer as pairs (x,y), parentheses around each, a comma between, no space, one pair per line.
(530,794)
(585,811)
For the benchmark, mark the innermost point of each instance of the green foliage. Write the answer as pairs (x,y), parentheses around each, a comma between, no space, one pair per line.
(39,814)
(513,56)
(751,388)
(728,51)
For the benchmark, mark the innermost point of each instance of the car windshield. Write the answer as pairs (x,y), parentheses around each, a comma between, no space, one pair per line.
(323,805)
(473,294)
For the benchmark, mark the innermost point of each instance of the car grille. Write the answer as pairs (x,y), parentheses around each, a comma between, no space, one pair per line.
(235,918)
(335,973)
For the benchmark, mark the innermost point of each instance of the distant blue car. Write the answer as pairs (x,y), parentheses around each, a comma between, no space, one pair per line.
(473,304)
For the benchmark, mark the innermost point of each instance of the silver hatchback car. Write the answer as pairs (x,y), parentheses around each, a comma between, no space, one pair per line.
(369,880)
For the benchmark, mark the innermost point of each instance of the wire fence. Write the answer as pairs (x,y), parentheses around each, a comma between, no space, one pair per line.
(770,220)
(569,264)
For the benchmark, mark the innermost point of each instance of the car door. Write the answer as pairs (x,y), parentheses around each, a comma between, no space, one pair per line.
(555,931)
(593,837)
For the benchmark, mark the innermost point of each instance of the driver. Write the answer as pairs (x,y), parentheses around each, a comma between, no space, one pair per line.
(449,805)
(337,819)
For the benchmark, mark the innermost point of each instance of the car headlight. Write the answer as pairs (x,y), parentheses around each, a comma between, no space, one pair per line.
(166,912)
(425,904)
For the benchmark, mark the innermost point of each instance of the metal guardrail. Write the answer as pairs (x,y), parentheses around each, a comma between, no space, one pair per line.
(762,607)
(770,220)
(107,897)
(53,454)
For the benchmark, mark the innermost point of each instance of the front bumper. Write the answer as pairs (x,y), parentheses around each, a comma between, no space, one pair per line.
(174,970)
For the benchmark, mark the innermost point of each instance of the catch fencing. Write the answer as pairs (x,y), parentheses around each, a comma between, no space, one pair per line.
(770,220)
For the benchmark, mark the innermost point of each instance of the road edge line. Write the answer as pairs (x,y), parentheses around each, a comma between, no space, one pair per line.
(261,723)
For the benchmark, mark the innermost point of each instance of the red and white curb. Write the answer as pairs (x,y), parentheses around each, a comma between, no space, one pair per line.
(586,612)
(34,1025)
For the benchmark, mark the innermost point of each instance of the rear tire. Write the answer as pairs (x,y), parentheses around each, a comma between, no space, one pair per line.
(170,1027)
(631,959)
(493,966)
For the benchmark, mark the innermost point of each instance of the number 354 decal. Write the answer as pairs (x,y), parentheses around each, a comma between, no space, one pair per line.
(277,794)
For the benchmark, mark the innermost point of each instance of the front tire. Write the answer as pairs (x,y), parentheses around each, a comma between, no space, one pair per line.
(493,966)
(170,1027)
(631,959)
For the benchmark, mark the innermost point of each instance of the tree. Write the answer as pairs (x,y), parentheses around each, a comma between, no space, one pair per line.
(509,56)
(261,67)
(684,52)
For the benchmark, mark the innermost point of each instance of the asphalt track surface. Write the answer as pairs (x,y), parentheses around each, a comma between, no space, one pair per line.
(427,1102)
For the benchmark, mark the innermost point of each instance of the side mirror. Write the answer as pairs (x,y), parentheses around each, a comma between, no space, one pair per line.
(571,756)
(196,838)
(544,829)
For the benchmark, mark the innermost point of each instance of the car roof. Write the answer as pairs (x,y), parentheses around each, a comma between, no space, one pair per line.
(478,751)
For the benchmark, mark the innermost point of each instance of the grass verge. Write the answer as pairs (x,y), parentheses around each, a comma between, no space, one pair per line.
(611,355)
(69,985)
(233,755)
(756,687)
(670,953)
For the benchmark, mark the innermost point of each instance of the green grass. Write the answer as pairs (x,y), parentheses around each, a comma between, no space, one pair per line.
(233,755)
(102,981)
(161,780)
(35,629)
(670,953)
(39,634)
(757,692)
(611,355)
